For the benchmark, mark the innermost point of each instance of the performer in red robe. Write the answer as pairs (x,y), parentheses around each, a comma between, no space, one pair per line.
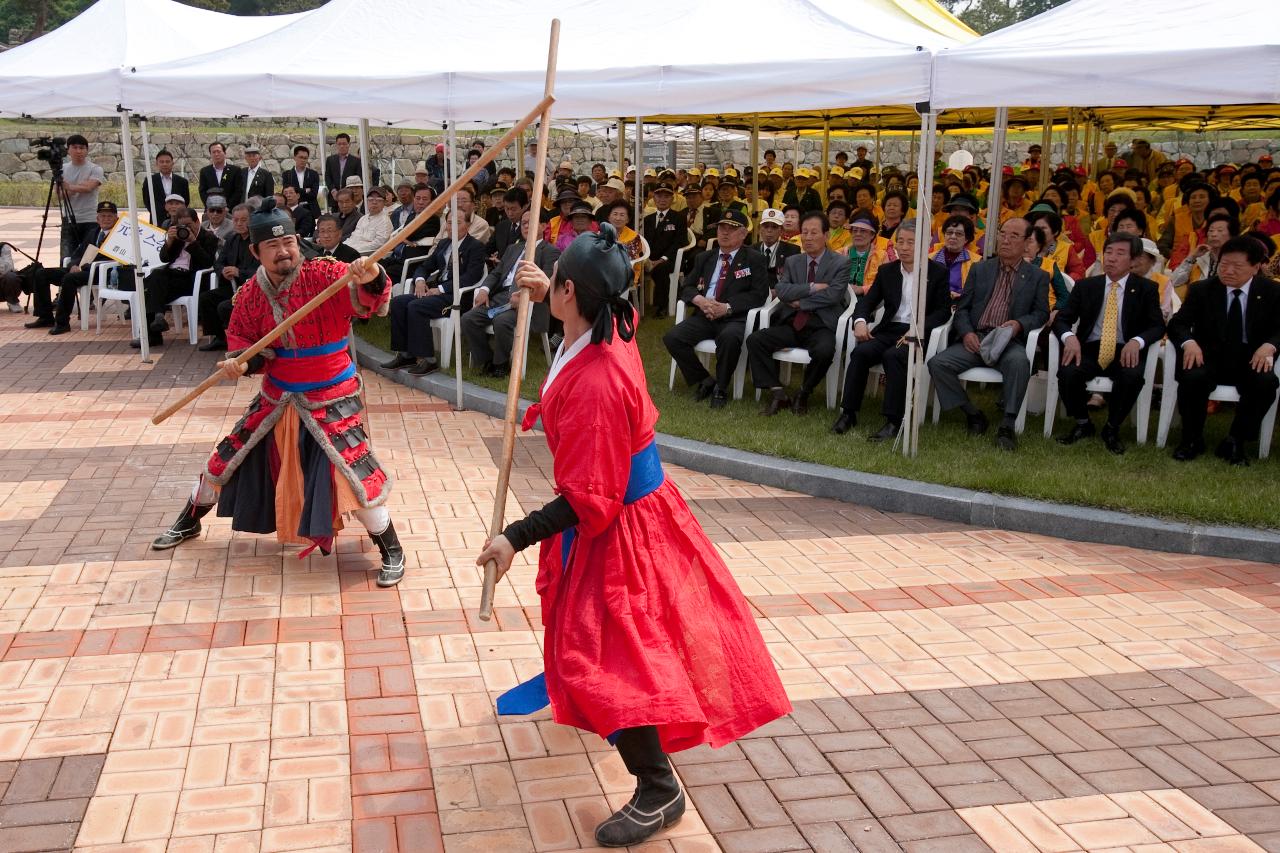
(299,460)
(649,641)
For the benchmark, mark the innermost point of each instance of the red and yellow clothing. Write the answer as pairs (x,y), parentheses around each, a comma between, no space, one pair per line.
(1186,236)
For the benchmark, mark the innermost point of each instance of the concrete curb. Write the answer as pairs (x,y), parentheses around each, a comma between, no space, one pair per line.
(894,494)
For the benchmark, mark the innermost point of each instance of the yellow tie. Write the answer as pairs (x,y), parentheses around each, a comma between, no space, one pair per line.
(1107,344)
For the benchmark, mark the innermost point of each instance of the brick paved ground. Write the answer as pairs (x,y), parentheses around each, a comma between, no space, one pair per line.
(955,688)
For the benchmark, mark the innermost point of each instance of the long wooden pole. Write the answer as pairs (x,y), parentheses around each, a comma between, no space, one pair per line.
(520,346)
(395,240)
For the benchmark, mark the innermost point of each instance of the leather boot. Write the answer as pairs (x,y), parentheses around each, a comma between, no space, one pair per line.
(186,527)
(392,556)
(658,801)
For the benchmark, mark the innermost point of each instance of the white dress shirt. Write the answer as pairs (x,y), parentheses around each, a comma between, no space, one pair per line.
(712,291)
(1095,334)
(372,230)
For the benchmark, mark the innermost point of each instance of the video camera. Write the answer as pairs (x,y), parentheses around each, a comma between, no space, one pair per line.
(52,150)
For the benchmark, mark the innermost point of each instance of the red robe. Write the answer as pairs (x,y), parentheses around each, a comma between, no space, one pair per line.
(645,625)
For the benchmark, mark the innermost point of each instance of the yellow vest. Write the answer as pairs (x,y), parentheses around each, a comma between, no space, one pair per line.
(839,238)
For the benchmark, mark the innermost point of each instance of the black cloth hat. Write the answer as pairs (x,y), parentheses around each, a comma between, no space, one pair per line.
(961,200)
(664,188)
(733,216)
(104,206)
(567,194)
(599,259)
(269,222)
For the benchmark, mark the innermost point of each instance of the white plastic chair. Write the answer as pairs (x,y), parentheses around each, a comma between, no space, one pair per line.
(798,355)
(707,348)
(1221,394)
(129,298)
(97,277)
(873,375)
(446,327)
(1102,385)
(673,292)
(405,279)
(191,304)
(636,292)
(981,374)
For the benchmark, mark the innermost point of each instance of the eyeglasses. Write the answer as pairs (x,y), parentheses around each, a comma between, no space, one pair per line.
(954,232)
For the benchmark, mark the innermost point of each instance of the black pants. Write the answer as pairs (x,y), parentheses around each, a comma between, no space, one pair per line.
(10,286)
(1257,393)
(224,313)
(161,287)
(882,349)
(1126,384)
(661,273)
(411,318)
(681,339)
(210,318)
(815,337)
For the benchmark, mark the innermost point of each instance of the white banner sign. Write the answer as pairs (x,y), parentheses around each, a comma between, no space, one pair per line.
(119,243)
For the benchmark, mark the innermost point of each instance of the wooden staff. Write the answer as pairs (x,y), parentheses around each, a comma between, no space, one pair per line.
(395,240)
(519,347)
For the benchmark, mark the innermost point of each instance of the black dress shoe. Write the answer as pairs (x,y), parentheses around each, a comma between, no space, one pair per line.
(400,360)
(1078,432)
(719,400)
(423,367)
(60,329)
(1188,450)
(39,323)
(844,423)
(703,389)
(214,345)
(888,432)
(777,401)
(800,405)
(500,371)
(1111,440)
(977,423)
(153,341)
(1006,439)
(1231,450)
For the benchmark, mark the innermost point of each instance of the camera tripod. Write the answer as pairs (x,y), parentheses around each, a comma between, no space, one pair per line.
(64,207)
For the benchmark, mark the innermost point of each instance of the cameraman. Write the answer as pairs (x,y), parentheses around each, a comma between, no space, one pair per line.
(187,249)
(81,178)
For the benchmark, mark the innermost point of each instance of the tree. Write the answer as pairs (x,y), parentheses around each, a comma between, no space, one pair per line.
(988,15)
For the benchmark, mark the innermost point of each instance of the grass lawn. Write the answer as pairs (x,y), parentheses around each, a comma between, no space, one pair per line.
(1145,480)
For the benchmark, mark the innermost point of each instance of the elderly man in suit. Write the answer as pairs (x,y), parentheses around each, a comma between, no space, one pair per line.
(304,178)
(339,166)
(256,179)
(219,176)
(161,184)
(894,287)
(814,291)
(724,284)
(1228,331)
(1004,291)
(1118,317)
(495,301)
(772,246)
(666,231)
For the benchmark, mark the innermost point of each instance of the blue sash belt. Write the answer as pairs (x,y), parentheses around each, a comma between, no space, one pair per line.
(299,387)
(645,478)
(306,352)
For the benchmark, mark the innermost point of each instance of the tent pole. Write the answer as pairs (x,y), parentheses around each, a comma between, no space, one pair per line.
(755,171)
(517,164)
(867,178)
(924,195)
(135,244)
(146,171)
(914,149)
(1072,129)
(1046,143)
(366,168)
(697,138)
(997,178)
(638,202)
(622,148)
(450,174)
(826,159)
(797,152)
(323,194)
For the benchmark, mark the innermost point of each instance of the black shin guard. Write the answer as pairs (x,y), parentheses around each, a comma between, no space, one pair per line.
(186,527)
(658,801)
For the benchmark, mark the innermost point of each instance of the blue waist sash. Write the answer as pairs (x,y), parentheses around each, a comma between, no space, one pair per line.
(645,478)
(299,387)
(306,352)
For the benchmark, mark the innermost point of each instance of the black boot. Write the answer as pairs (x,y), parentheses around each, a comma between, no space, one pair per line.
(658,801)
(392,556)
(186,527)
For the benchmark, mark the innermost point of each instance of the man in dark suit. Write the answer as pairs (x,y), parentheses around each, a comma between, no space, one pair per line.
(328,240)
(1119,317)
(666,231)
(493,305)
(412,313)
(256,180)
(814,291)
(219,174)
(514,203)
(338,167)
(772,246)
(233,265)
(304,221)
(303,178)
(161,184)
(1006,290)
(726,199)
(1228,331)
(724,284)
(894,287)
(71,278)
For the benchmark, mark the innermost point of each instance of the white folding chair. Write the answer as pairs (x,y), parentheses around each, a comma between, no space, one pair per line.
(1221,394)
(673,292)
(1102,385)
(444,328)
(707,348)
(798,355)
(191,304)
(637,290)
(127,298)
(406,280)
(97,277)
(987,375)
(873,375)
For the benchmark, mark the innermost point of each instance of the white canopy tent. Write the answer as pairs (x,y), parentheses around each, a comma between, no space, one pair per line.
(75,71)
(488,64)
(1085,53)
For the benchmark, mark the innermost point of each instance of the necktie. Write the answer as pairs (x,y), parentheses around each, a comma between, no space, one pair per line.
(802,317)
(1235,324)
(722,278)
(1107,343)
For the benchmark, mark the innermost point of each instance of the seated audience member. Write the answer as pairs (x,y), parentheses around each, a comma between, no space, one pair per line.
(233,265)
(1185,230)
(495,302)
(1119,318)
(71,278)
(216,221)
(515,202)
(772,246)
(412,313)
(1006,290)
(374,228)
(1148,265)
(328,240)
(725,283)
(839,238)
(419,242)
(404,199)
(726,200)
(865,253)
(694,210)
(1238,351)
(348,214)
(10,283)
(895,207)
(1202,263)
(580,221)
(666,231)
(814,291)
(954,253)
(494,213)
(894,287)
(619,216)
(172,204)
(187,249)
(304,220)
(304,179)
(465,202)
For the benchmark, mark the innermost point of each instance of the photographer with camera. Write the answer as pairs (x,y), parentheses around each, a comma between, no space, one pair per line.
(187,249)
(80,179)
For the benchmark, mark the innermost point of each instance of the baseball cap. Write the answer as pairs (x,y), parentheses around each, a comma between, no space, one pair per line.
(354,181)
(772,216)
(1149,247)
(169,197)
(104,206)
(616,184)
(215,200)
(252,149)
(693,189)
(733,216)
(664,188)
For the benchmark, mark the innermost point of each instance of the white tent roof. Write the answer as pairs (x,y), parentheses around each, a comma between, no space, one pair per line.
(75,70)
(487,62)
(1107,53)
